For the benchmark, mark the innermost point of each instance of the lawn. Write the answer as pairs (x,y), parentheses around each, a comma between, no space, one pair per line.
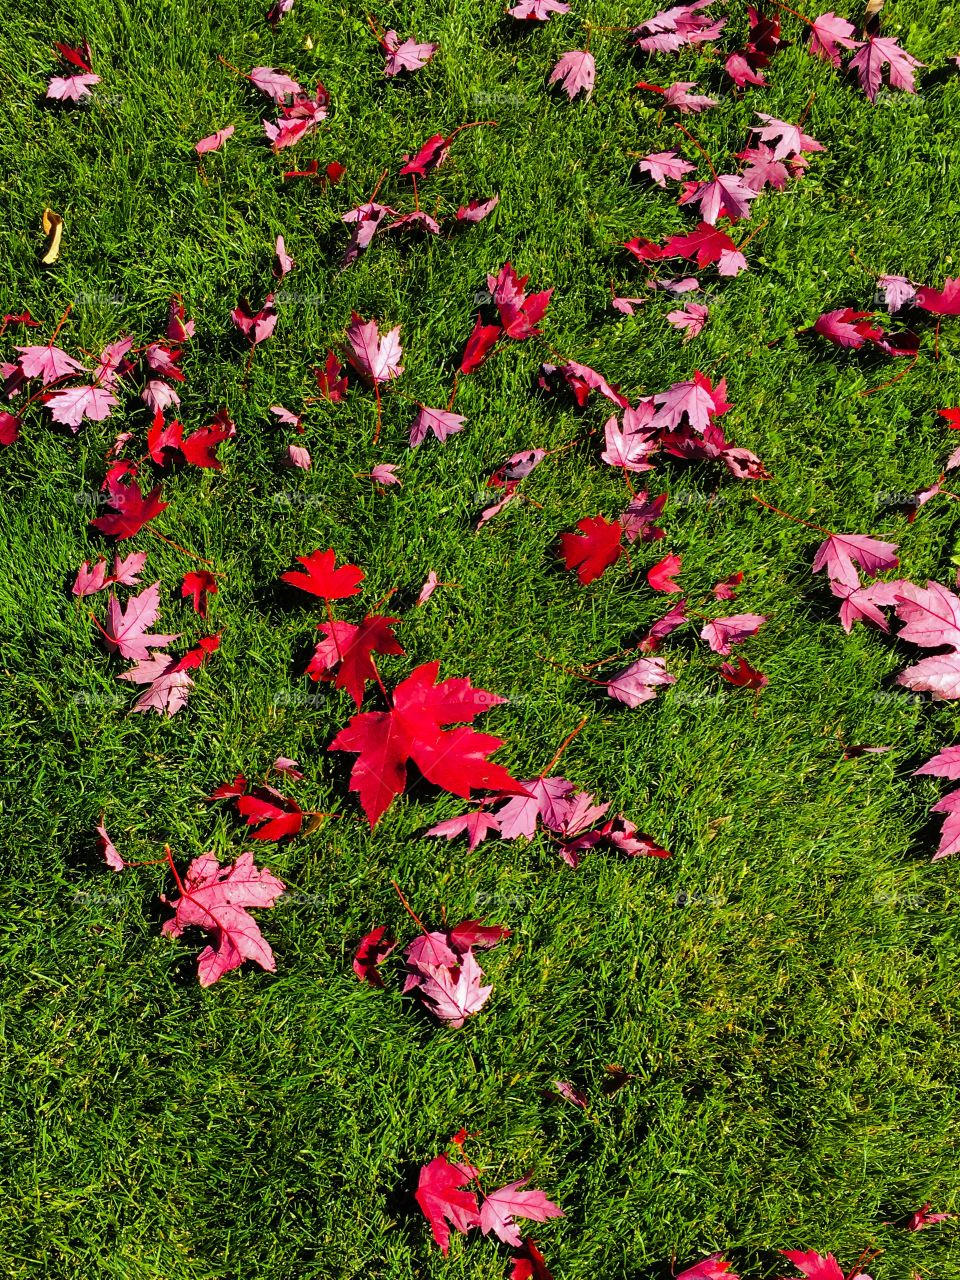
(783,989)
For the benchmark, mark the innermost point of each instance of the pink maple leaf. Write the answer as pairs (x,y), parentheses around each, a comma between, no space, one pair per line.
(275,84)
(256,326)
(72,404)
(576,72)
(678,95)
(476,825)
(897,291)
(405,56)
(47,363)
(828,34)
(372,355)
(537,10)
(71,88)
(453,993)
(671,29)
(477,210)
(499,1209)
(632,446)
(721,633)
(216,899)
(661,165)
(691,318)
(638,683)
(127,626)
(841,553)
(763,169)
(877,52)
(108,850)
(726,194)
(214,141)
(791,139)
(696,399)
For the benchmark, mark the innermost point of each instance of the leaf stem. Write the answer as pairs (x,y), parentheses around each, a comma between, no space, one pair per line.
(706,155)
(787,516)
(176,546)
(787,9)
(60,323)
(407,907)
(564,744)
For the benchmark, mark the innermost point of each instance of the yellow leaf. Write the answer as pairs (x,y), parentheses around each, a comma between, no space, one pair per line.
(53,229)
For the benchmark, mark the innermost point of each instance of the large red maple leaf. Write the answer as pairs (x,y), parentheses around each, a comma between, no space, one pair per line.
(413,729)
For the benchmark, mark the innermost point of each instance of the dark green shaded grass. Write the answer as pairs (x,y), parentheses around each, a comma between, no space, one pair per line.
(783,989)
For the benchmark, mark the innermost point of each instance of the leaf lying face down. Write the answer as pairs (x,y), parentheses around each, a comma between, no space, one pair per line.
(216,899)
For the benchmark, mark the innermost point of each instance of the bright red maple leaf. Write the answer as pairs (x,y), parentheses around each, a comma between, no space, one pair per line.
(275,815)
(707,244)
(131,509)
(519,312)
(215,899)
(713,1268)
(660,576)
(331,380)
(813,1265)
(200,447)
(445,1204)
(743,675)
(529,1263)
(594,549)
(848,328)
(322,579)
(943,302)
(198,586)
(373,949)
(227,790)
(430,156)
(349,649)
(413,730)
(479,345)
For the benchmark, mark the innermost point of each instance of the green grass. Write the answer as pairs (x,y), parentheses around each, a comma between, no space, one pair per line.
(784,989)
